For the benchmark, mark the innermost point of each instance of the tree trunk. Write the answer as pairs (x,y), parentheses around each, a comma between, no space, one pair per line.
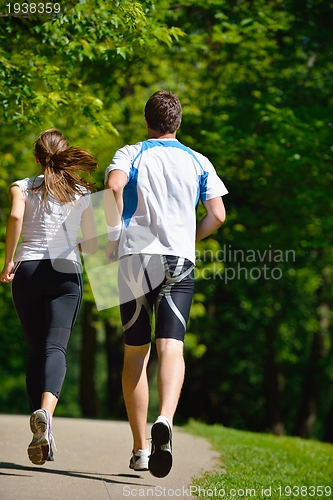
(115,353)
(311,386)
(328,436)
(273,388)
(308,408)
(88,398)
(153,362)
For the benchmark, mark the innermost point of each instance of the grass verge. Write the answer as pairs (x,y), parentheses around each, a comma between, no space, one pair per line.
(263,466)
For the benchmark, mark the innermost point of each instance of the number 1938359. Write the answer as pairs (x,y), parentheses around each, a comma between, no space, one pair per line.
(33,8)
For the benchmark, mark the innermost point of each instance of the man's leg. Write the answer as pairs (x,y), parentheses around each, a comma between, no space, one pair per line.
(136,302)
(136,392)
(172,310)
(170,376)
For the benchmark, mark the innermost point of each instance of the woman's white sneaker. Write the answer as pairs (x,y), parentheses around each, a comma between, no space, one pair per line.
(39,450)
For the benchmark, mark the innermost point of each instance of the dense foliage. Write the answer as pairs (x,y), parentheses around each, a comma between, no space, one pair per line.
(255,80)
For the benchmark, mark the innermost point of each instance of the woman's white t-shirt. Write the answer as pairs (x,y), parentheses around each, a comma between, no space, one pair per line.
(50,228)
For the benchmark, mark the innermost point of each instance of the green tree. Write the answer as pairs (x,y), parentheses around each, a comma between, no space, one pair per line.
(258,105)
(49,68)
(61,72)
(254,78)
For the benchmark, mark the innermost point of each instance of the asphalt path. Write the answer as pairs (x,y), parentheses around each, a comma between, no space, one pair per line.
(91,462)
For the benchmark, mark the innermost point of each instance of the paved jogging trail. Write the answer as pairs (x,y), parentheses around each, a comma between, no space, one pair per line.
(92,463)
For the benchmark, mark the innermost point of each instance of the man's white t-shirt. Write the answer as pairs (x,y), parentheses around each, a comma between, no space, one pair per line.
(165,182)
(50,228)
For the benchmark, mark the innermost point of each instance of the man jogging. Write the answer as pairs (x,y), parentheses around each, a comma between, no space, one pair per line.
(156,185)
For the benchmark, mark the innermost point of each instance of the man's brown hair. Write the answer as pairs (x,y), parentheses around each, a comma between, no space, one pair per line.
(163,112)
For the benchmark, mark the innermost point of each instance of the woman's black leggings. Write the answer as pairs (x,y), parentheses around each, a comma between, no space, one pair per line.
(47,302)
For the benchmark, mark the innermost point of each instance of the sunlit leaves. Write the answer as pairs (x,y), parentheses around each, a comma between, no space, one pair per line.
(46,66)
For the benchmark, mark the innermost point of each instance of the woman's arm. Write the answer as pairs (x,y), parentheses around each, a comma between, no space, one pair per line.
(13,231)
(89,242)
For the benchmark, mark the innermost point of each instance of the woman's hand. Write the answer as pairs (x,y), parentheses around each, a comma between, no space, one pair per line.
(7,274)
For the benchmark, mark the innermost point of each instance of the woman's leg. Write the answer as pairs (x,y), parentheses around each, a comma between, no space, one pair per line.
(49,402)
(63,296)
(47,303)
(29,304)
(47,324)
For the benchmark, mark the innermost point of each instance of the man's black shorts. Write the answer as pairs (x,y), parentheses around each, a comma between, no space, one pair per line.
(164,283)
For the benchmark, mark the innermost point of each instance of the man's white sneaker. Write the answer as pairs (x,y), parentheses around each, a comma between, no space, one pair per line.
(40,450)
(160,461)
(139,460)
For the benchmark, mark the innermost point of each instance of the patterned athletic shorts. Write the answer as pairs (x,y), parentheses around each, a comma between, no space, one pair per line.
(160,283)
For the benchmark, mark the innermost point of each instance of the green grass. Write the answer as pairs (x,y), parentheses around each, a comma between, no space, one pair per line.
(264,466)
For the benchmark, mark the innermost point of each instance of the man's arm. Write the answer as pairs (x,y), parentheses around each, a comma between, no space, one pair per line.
(113,199)
(113,208)
(212,220)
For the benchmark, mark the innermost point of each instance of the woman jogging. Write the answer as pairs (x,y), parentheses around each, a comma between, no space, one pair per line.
(48,210)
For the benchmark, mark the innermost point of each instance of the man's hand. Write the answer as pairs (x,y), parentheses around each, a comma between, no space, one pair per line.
(111,251)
